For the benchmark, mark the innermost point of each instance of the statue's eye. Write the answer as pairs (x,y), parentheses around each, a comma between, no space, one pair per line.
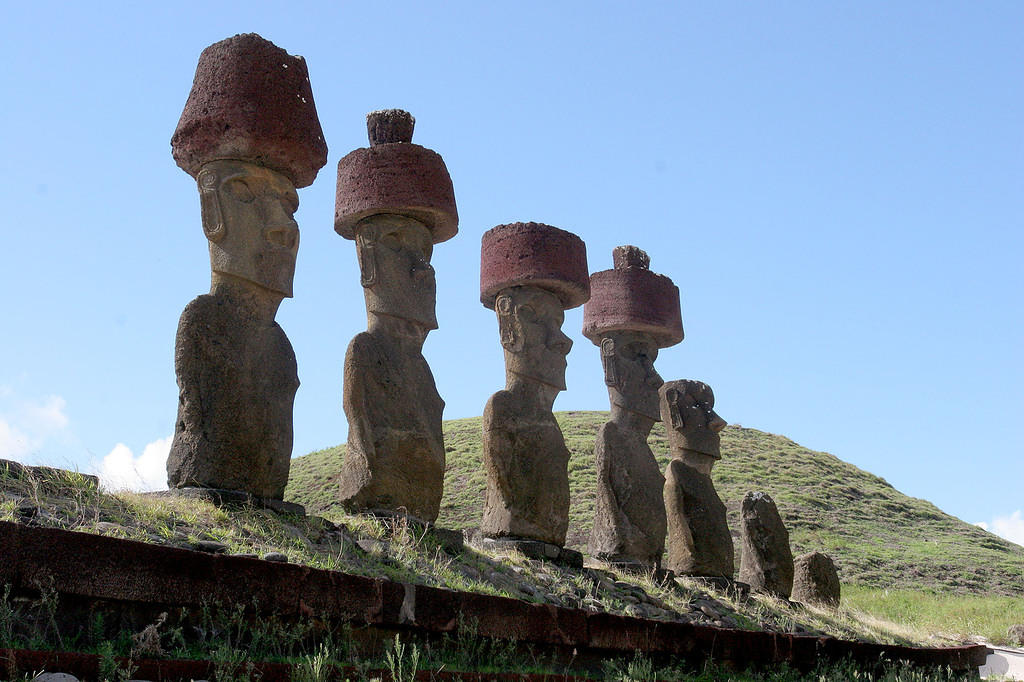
(392,240)
(238,189)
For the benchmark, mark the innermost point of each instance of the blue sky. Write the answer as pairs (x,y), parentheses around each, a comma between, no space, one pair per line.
(836,188)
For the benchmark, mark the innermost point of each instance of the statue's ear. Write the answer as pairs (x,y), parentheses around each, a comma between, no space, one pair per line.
(209,205)
(367,259)
(672,398)
(508,325)
(609,361)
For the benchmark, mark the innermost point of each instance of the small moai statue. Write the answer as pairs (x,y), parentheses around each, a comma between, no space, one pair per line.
(632,312)
(530,274)
(699,543)
(395,200)
(766,560)
(250,136)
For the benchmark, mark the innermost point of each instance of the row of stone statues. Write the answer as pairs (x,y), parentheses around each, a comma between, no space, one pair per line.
(250,136)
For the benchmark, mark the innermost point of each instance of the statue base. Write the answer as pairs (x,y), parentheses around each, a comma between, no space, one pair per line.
(451,541)
(536,549)
(733,588)
(233,498)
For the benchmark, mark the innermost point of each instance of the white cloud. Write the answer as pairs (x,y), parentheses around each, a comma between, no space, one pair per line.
(122,470)
(26,426)
(1008,527)
(46,416)
(14,444)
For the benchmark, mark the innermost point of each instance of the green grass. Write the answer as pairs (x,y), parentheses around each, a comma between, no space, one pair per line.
(877,536)
(947,616)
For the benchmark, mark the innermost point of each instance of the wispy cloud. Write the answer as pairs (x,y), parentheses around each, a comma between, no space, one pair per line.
(13,443)
(122,470)
(27,425)
(1009,527)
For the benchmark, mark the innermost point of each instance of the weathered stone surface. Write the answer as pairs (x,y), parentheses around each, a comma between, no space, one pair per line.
(687,408)
(389,125)
(629,513)
(1016,634)
(631,314)
(395,458)
(699,542)
(534,254)
(251,101)
(394,176)
(815,580)
(527,468)
(524,452)
(396,211)
(237,379)
(632,298)
(249,135)
(766,562)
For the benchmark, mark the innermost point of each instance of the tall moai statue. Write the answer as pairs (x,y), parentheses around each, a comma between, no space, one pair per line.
(632,312)
(699,543)
(530,274)
(250,136)
(395,199)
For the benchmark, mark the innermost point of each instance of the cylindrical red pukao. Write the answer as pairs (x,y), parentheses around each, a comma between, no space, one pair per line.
(395,176)
(251,101)
(534,254)
(632,298)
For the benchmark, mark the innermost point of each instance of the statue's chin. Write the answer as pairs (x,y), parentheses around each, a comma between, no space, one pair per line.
(549,382)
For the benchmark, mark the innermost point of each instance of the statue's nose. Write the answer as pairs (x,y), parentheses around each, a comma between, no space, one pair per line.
(560,342)
(716,423)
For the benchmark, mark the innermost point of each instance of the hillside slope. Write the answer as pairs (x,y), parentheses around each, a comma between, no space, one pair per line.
(877,535)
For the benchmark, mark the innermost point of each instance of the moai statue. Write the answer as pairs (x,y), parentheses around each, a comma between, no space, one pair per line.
(632,312)
(529,275)
(699,543)
(250,136)
(766,560)
(395,199)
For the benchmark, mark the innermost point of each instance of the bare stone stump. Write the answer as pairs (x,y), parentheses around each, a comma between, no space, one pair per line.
(631,314)
(1016,634)
(395,199)
(815,580)
(530,273)
(766,563)
(250,136)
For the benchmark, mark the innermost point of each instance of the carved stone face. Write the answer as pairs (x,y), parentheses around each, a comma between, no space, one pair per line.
(530,321)
(247,216)
(394,261)
(633,383)
(688,407)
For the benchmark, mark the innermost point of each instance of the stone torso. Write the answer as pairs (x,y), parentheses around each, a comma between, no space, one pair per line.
(395,458)
(237,380)
(629,516)
(527,477)
(699,542)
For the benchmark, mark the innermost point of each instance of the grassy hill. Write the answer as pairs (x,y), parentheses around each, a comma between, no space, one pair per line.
(878,536)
